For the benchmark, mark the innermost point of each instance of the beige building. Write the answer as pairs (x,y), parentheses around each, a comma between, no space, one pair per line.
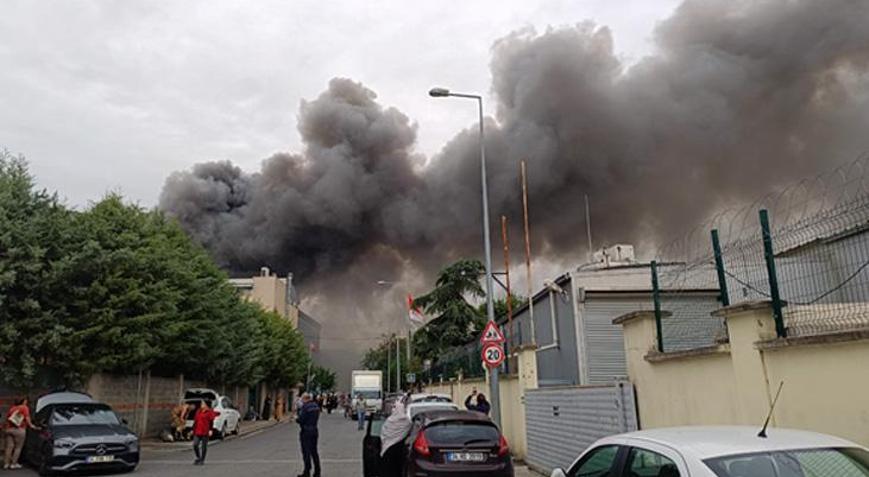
(274,293)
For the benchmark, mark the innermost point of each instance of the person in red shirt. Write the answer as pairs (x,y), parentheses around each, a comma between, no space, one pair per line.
(15,429)
(203,422)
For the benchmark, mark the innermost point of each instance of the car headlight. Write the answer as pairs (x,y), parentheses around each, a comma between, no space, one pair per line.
(63,444)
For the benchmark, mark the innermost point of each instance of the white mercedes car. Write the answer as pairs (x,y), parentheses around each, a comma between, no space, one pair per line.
(720,452)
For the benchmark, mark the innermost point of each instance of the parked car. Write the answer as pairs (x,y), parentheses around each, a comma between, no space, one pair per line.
(77,433)
(228,420)
(445,443)
(415,408)
(389,402)
(430,397)
(735,451)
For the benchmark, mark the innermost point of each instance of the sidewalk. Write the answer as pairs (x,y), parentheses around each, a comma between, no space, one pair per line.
(154,444)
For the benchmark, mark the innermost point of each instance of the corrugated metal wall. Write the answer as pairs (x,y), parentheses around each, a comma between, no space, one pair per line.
(604,340)
(562,422)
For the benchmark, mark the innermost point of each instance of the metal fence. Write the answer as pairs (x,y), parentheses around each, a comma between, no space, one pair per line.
(805,248)
(563,422)
(466,360)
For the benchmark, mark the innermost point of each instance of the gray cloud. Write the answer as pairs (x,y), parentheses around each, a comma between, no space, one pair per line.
(738,97)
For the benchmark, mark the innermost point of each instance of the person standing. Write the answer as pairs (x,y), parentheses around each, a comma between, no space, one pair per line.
(392,435)
(15,430)
(203,422)
(480,404)
(308,418)
(267,409)
(359,408)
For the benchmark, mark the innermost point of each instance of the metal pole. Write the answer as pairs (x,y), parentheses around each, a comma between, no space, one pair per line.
(490,306)
(656,297)
(389,366)
(398,364)
(506,240)
(719,267)
(588,228)
(769,256)
(528,254)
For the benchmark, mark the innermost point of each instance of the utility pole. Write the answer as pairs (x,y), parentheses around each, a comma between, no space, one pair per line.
(528,254)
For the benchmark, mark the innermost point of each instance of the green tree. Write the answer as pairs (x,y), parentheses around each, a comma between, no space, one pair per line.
(34,243)
(455,321)
(119,288)
(322,379)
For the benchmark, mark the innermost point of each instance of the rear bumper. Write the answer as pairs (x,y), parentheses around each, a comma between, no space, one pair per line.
(68,463)
(421,468)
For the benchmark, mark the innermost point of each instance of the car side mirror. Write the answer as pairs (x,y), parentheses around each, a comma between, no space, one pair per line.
(558,473)
(124,421)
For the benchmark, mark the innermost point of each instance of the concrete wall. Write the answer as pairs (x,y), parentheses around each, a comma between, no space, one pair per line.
(145,401)
(824,376)
(512,394)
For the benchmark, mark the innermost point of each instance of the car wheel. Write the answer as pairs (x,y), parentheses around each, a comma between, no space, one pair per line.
(222,433)
(237,426)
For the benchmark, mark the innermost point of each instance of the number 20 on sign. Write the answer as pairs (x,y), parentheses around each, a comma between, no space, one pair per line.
(493,355)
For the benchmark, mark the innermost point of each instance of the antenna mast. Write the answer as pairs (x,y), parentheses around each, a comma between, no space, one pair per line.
(588,228)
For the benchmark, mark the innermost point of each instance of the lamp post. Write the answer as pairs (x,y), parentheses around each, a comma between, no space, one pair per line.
(487,244)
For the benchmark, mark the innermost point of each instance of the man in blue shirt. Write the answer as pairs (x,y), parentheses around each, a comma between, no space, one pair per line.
(309,415)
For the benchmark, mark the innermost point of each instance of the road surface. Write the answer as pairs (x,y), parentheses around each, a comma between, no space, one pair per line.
(271,452)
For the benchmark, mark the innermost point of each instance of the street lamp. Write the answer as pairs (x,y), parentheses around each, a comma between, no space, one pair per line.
(487,244)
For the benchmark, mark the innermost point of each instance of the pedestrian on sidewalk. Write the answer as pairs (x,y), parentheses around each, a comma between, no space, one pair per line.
(267,409)
(15,429)
(480,404)
(203,422)
(392,435)
(359,407)
(308,418)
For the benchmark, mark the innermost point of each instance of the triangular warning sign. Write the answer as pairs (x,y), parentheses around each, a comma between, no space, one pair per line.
(491,334)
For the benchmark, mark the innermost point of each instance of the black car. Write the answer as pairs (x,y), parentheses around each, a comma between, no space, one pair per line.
(445,443)
(78,433)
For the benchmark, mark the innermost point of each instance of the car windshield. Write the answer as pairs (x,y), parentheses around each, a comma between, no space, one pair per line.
(415,410)
(70,415)
(461,433)
(843,462)
(373,394)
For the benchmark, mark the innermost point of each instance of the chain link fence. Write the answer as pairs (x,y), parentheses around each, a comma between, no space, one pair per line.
(466,360)
(805,248)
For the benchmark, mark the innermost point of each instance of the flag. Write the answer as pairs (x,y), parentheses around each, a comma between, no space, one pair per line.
(413,312)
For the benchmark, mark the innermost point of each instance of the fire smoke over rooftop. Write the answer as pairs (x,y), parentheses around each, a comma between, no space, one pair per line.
(738,97)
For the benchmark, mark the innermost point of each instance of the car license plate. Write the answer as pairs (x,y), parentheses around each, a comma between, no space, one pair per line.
(466,456)
(100,459)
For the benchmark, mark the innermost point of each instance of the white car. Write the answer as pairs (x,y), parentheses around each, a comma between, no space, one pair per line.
(430,397)
(228,420)
(415,408)
(735,451)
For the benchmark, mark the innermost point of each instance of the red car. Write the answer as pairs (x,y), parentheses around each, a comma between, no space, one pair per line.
(446,443)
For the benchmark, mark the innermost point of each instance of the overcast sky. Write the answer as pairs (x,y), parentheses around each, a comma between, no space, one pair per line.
(115,95)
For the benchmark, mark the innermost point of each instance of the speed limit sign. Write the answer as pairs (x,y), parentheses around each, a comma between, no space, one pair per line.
(493,355)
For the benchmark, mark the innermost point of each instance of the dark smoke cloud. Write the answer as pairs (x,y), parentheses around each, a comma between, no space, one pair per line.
(738,97)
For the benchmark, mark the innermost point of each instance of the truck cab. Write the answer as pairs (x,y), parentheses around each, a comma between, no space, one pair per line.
(368,384)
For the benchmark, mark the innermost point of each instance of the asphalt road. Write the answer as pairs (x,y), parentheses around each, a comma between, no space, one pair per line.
(273,451)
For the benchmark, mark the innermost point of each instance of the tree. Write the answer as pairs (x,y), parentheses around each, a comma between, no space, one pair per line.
(322,379)
(122,289)
(456,321)
(34,243)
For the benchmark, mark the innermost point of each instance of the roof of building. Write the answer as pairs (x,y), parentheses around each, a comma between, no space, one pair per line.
(713,441)
(633,278)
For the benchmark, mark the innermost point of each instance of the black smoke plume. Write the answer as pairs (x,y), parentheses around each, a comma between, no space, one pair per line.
(737,97)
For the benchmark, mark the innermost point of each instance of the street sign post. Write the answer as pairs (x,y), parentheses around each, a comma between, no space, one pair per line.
(493,355)
(411,378)
(491,334)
